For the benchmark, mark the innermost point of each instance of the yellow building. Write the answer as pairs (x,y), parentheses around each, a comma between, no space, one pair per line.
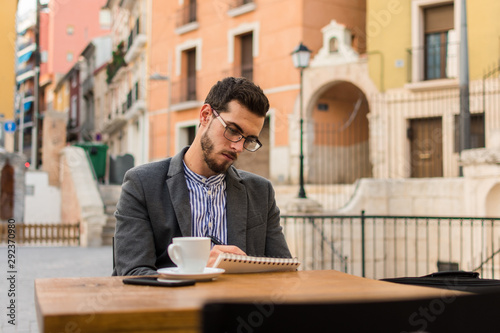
(414,60)
(7,79)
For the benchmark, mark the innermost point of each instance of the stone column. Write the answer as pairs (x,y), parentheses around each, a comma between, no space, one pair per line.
(54,139)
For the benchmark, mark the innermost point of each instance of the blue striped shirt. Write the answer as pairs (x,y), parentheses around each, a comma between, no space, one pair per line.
(208,205)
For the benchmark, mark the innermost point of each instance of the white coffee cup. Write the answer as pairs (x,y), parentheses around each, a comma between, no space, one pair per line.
(190,254)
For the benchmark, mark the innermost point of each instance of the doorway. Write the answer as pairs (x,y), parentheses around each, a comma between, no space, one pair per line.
(426,147)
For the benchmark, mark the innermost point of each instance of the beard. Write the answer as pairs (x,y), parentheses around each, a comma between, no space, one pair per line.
(207,146)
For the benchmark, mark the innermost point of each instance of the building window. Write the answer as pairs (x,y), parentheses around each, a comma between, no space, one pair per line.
(69,56)
(238,3)
(44,57)
(477,138)
(190,133)
(240,7)
(191,74)
(187,85)
(70,30)
(187,14)
(185,135)
(334,45)
(73,111)
(243,45)
(438,26)
(435,41)
(246,49)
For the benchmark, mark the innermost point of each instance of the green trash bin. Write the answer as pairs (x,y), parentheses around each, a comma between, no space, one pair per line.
(97,153)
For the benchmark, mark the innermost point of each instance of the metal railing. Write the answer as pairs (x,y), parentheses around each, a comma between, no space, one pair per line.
(239,3)
(185,90)
(136,30)
(435,61)
(394,246)
(187,14)
(133,96)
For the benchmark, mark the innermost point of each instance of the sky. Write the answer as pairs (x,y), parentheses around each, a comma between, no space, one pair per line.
(26,5)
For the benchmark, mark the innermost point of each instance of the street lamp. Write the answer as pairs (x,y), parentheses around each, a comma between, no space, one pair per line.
(300,57)
(159,77)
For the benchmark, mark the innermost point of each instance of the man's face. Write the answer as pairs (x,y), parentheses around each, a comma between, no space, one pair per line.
(218,152)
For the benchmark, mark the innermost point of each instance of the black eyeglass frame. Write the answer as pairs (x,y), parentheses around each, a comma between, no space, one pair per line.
(241,136)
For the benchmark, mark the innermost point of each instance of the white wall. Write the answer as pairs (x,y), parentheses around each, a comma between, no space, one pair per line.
(42,202)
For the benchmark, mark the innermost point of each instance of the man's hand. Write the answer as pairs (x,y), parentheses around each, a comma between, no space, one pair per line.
(218,249)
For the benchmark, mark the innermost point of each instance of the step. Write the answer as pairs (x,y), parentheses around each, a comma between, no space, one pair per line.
(109,209)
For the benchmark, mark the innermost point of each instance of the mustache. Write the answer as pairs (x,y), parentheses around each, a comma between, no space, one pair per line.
(232,154)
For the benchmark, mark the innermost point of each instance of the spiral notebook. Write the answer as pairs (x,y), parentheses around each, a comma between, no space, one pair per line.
(234,263)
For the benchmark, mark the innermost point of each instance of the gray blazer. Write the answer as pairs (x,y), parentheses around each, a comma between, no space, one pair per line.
(154,207)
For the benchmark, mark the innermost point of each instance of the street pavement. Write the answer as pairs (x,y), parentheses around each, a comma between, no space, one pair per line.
(44,262)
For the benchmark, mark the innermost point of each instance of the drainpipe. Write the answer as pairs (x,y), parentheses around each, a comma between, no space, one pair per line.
(464,83)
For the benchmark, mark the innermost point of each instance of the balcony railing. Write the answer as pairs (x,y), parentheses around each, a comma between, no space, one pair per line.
(88,85)
(184,90)
(186,15)
(25,69)
(430,62)
(133,102)
(25,45)
(239,3)
(133,34)
(395,246)
(117,62)
(136,40)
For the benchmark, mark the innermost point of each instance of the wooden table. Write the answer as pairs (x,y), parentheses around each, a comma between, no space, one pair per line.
(105,304)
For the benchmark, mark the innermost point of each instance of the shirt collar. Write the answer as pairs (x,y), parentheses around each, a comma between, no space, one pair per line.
(212,181)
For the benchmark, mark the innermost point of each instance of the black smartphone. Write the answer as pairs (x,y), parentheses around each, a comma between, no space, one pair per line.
(153,281)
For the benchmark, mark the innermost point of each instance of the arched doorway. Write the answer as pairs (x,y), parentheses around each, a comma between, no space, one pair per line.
(492,202)
(7,192)
(341,136)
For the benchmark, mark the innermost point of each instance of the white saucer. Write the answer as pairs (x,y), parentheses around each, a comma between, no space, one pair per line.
(174,273)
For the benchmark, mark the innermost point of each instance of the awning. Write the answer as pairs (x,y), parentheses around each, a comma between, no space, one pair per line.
(25,57)
(28,101)
(27,105)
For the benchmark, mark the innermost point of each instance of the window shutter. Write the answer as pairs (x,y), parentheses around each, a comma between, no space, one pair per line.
(439,18)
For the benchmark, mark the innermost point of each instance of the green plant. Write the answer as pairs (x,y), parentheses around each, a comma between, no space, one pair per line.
(117,61)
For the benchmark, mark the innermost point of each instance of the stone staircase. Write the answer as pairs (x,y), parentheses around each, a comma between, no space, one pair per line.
(110,195)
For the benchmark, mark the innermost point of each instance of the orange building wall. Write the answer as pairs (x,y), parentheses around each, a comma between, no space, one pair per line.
(283,25)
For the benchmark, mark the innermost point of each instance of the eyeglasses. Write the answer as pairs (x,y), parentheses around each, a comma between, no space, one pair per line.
(233,135)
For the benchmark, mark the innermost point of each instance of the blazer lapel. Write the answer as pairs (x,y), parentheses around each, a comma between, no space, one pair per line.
(179,193)
(236,210)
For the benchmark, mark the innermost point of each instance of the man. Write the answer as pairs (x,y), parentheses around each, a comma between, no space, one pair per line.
(199,193)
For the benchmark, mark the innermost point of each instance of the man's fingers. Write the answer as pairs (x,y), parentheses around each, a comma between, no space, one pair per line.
(229,249)
(218,249)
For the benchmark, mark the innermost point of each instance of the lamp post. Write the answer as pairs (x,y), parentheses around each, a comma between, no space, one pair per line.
(159,77)
(300,57)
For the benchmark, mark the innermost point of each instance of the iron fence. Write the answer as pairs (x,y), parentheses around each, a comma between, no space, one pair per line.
(393,135)
(394,246)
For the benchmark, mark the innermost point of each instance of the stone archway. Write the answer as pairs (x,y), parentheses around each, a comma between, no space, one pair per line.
(340,88)
(340,148)
(332,82)
(492,202)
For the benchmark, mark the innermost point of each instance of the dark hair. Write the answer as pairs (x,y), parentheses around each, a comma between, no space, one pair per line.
(240,89)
